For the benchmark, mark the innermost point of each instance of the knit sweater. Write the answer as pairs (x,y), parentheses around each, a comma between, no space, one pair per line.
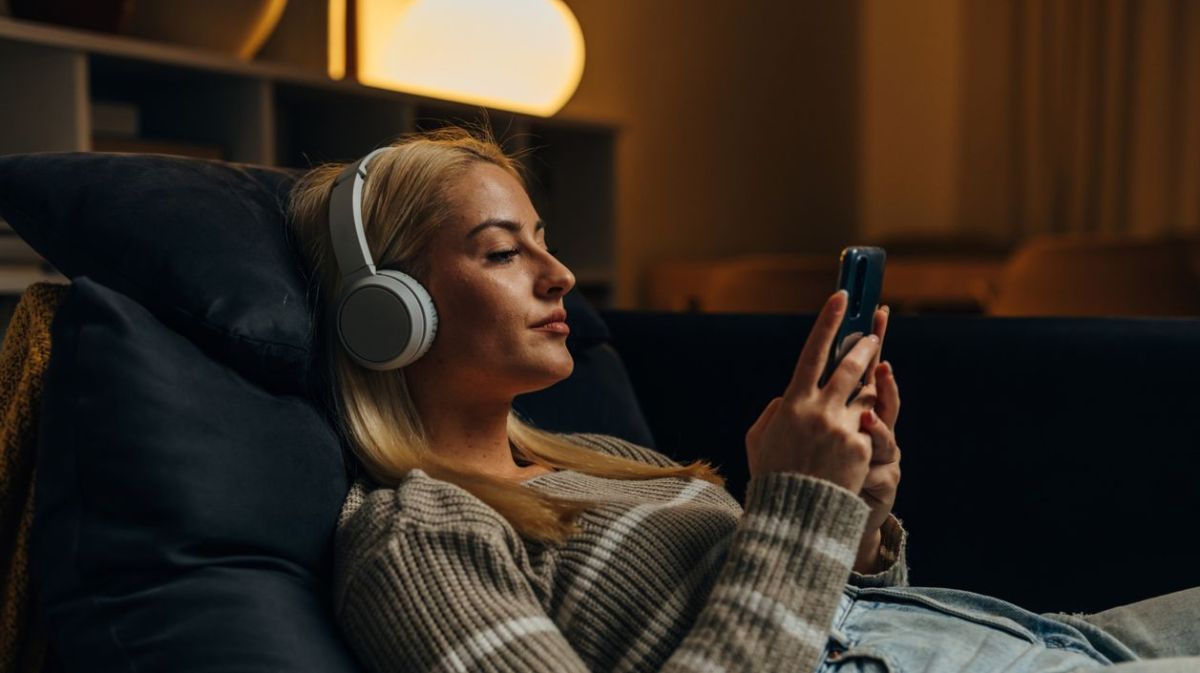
(672,574)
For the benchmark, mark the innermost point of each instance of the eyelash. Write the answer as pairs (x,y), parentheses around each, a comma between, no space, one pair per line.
(507,255)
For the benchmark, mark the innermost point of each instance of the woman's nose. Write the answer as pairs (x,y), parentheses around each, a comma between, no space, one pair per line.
(556,278)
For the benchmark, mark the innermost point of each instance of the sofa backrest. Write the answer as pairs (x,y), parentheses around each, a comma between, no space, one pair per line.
(1050,462)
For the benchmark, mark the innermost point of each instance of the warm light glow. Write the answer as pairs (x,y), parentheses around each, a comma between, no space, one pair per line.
(520,55)
(337,39)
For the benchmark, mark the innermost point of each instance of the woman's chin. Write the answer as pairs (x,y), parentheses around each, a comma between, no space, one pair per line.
(546,377)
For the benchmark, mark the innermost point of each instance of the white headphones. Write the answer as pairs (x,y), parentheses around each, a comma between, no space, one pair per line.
(385,319)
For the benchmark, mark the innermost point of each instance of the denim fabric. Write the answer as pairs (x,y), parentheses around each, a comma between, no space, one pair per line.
(1166,626)
(937,630)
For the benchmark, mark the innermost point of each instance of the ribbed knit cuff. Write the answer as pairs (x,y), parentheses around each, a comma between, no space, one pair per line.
(803,516)
(818,503)
(787,566)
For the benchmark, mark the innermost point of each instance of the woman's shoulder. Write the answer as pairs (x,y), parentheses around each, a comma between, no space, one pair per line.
(617,446)
(423,501)
(378,521)
(416,501)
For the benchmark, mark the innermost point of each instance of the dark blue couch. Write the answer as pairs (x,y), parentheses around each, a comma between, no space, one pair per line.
(188,480)
(1054,463)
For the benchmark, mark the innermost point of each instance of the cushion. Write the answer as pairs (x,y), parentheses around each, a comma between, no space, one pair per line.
(202,243)
(184,515)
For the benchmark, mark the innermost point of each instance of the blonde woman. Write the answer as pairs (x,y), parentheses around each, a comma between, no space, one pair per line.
(477,542)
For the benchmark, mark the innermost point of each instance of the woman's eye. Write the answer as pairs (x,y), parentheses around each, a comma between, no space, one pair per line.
(503,255)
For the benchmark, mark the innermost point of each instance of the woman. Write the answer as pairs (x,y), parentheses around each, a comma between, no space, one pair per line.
(479,542)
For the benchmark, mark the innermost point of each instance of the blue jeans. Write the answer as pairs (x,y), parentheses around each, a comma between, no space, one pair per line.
(936,630)
(1163,632)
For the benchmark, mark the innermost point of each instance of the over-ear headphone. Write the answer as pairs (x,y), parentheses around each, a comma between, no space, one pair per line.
(385,319)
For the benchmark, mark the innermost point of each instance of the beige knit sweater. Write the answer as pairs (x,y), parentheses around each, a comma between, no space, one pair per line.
(671,575)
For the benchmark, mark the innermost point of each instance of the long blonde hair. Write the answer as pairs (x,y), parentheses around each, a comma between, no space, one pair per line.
(405,201)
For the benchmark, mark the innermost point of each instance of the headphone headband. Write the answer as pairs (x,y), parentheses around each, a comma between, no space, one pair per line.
(349,242)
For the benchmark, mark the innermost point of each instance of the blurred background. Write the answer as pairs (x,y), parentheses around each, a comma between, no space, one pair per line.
(1014,158)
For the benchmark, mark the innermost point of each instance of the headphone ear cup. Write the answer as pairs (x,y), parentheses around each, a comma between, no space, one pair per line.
(386,321)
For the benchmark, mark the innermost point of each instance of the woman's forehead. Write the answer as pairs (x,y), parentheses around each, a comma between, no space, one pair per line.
(487,198)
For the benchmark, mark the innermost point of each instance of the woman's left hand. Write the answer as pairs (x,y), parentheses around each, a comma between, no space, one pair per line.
(880,400)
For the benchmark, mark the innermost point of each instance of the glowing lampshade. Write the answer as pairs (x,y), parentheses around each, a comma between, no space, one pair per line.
(520,55)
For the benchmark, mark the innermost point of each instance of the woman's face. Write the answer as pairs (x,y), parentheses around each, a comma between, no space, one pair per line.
(491,280)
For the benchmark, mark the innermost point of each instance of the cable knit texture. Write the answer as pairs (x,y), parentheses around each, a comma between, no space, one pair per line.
(671,574)
(23,359)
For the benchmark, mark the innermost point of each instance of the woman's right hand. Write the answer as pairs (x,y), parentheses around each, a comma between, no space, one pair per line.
(811,430)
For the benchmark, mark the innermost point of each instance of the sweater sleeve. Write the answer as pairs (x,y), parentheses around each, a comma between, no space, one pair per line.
(432,579)
(893,541)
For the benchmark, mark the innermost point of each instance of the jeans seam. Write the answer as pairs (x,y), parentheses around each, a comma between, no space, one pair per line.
(1008,626)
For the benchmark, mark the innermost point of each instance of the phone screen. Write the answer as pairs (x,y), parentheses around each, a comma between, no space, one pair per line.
(860,273)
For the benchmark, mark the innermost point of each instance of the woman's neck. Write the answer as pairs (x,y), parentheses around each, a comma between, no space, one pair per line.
(469,433)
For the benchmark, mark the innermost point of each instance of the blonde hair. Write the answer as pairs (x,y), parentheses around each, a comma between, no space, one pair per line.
(405,201)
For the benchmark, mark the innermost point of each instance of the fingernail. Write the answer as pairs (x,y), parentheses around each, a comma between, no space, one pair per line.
(886,308)
(873,337)
(889,367)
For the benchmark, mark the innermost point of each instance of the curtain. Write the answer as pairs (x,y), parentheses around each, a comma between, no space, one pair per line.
(1080,116)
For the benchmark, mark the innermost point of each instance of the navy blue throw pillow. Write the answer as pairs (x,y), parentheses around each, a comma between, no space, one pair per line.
(201,243)
(184,514)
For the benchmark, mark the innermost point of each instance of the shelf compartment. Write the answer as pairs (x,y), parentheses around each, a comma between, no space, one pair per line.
(227,112)
(315,126)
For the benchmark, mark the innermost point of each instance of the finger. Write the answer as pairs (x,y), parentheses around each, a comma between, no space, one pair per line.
(816,348)
(850,371)
(879,329)
(888,403)
(883,441)
(880,485)
(867,397)
(882,480)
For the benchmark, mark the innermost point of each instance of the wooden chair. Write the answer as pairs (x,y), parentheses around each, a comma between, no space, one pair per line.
(800,283)
(1100,275)
(770,283)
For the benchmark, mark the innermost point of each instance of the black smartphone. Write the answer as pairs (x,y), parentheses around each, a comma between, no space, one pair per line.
(860,274)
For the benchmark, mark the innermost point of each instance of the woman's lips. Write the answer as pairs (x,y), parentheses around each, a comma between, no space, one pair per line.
(554,328)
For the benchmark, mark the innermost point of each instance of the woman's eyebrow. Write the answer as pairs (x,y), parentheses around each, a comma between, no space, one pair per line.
(503,224)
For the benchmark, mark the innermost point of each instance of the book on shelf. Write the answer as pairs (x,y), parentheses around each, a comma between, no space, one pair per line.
(115,119)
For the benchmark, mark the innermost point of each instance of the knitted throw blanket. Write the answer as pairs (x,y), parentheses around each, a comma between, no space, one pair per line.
(669,575)
(23,359)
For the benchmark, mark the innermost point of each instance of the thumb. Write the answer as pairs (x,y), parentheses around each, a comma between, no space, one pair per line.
(763,419)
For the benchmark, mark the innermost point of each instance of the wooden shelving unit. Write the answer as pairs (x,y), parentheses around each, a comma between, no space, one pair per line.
(190,101)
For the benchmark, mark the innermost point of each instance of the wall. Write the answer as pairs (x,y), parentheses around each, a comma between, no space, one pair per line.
(909,121)
(738,126)
(802,126)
